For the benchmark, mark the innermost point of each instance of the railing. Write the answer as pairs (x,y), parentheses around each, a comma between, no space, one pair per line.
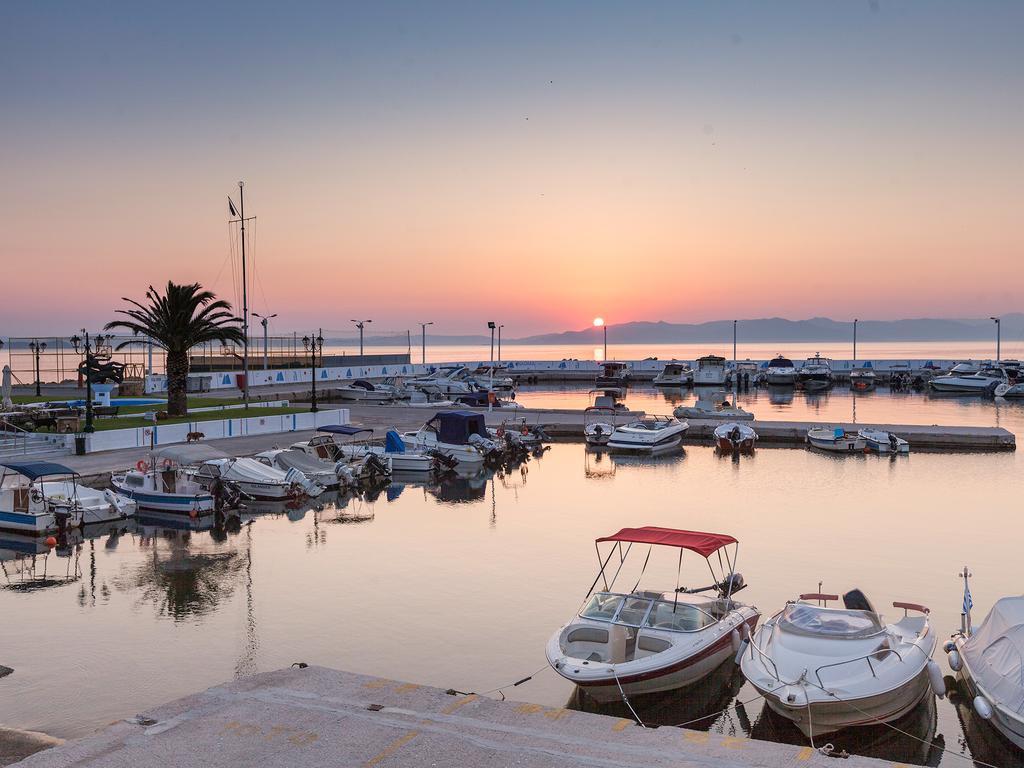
(7,426)
(865,657)
(765,657)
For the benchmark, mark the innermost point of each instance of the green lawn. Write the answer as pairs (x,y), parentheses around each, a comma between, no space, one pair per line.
(230,413)
(193,402)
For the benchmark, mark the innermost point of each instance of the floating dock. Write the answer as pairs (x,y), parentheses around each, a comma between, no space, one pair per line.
(323,717)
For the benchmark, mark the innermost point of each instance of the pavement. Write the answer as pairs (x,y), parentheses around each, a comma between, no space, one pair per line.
(323,717)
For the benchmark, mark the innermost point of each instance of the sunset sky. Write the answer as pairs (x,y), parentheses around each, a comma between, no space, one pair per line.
(537,164)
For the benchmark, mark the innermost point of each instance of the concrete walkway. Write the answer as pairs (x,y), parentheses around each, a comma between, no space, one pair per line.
(322,717)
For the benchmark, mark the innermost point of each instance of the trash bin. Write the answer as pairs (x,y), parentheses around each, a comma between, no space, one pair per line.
(240,380)
(80,445)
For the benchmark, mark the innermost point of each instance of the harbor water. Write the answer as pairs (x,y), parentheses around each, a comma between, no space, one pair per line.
(460,584)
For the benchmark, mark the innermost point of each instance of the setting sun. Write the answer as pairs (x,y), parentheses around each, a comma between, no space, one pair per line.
(598,322)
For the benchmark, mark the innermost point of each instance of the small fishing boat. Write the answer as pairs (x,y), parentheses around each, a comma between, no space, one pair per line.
(653,434)
(985,381)
(862,379)
(459,435)
(710,371)
(881,441)
(826,669)
(990,663)
(25,507)
(613,375)
(781,372)
(712,406)
(733,437)
(638,642)
(816,373)
(164,484)
(835,439)
(674,375)
(598,424)
(393,452)
(351,470)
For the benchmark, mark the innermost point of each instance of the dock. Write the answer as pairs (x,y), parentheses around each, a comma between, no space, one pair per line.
(315,716)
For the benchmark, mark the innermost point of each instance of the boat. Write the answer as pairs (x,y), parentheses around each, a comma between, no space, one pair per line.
(488,378)
(368,467)
(881,441)
(393,452)
(253,479)
(965,368)
(712,406)
(835,439)
(674,375)
(862,379)
(733,437)
(1009,391)
(826,669)
(710,371)
(613,375)
(598,424)
(516,434)
(459,435)
(743,373)
(984,381)
(816,373)
(653,434)
(989,662)
(623,644)
(447,380)
(781,372)
(329,476)
(25,507)
(362,391)
(163,483)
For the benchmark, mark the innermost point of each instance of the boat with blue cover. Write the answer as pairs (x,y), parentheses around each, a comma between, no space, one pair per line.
(394,451)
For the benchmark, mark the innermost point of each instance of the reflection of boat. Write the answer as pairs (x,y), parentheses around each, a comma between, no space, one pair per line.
(880,441)
(674,375)
(710,371)
(644,642)
(816,373)
(460,488)
(832,668)
(733,437)
(712,405)
(781,372)
(987,746)
(836,440)
(989,661)
(653,434)
(780,395)
(613,375)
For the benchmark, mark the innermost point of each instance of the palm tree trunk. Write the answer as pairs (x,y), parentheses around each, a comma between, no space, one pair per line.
(177,383)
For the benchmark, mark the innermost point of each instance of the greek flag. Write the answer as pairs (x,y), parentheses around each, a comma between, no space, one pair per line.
(968,602)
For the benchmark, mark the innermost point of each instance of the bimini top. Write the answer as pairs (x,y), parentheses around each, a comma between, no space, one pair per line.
(34,469)
(704,544)
(456,427)
(343,429)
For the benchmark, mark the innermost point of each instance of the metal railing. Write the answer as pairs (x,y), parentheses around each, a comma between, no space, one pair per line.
(8,427)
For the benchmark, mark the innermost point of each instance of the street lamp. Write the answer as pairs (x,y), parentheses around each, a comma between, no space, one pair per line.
(855,321)
(423,340)
(359,325)
(499,343)
(492,326)
(314,345)
(86,368)
(599,323)
(996,320)
(37,348)
(264,321)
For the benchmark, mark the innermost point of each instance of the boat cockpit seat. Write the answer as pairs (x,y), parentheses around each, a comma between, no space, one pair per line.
(855,600)
(648,646)
(596,643)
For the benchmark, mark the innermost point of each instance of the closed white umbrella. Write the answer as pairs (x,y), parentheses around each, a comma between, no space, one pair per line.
(5,389)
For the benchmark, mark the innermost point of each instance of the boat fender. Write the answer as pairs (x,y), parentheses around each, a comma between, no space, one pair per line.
(955,662)
(736,641)
(983,708)
(741,651)
(935,678)
(948,646)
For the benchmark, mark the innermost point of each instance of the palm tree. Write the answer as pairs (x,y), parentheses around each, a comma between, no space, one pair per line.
(184,317)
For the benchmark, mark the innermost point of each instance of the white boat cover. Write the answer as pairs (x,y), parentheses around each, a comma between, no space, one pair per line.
(189,453)
(995,653)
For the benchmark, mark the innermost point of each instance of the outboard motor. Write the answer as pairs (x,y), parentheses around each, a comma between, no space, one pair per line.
(855,600)
(373,467)
(487,447)
(344,474)
(301,484)
(894,443)
(732,585)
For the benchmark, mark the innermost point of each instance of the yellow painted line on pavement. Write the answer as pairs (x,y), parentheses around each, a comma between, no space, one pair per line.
(804,754)
(391,748)
(459,703)
(623,725)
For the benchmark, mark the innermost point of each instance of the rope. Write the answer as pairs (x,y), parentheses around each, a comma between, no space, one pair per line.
(737,705)
(626,700)
(501,688)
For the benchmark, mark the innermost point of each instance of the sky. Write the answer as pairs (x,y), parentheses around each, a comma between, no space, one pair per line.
(535,164)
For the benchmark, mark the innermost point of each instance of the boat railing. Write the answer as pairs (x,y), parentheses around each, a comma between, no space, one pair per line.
(765,658)
(866,657)
(912,607)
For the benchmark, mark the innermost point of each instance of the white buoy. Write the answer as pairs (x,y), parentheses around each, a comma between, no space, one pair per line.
(935,678)
(735,637)
(982,707)
(739,653)
(955,662)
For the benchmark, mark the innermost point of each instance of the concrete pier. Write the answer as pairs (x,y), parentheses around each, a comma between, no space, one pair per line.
(323,717)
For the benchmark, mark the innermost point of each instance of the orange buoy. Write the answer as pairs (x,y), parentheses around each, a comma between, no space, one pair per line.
(193,513)
(51,541)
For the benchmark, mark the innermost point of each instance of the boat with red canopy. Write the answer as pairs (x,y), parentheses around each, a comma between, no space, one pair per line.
(637,641)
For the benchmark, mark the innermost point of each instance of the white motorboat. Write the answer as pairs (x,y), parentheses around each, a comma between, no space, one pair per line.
(459,435)
(743,373)
(163,484)
(1010,391)
(835,439)
(862,379)
(326,474)
(97,506)
(982,382)
(881,441)
(489,378)
(674,375)
(826,669)
(448,380)
(393,452)
(598,424)
(710,371)
(733,437)
(712,406)
(653,434)
(781,372)
(25,505)
(613,375)
(254,479)
(965,368)
(362,391)
(367,467)
(816,373)
(639,642)
(990,663)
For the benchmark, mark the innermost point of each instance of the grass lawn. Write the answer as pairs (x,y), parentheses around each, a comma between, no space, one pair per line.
(230,413)
(193,402)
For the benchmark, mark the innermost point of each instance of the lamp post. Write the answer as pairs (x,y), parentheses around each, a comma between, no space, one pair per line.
(264,321)
(423,341)
(855,321)
(599,323)
(37,348)
(87,349)
(492,326)
(314,345)
(359,325)
(996,320)
(499,343)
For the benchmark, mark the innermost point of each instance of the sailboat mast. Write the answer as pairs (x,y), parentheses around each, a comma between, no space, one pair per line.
(245,301)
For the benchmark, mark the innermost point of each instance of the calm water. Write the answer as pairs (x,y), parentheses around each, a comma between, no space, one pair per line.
(460,585)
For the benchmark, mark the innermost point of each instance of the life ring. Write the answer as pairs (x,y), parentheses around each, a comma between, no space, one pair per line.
(525,430)
(166,464)
(142,465)
(500,432)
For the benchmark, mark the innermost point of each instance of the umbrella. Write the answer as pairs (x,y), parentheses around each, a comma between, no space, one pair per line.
(5,389)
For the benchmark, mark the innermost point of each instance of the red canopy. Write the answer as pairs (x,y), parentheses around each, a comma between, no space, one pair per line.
(704,544)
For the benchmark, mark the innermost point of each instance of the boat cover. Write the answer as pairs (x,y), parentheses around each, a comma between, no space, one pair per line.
(343,429)
(393,442)
(704,544)
(295,459)
(995,653)
(189,453)
(34,469)
(456,427)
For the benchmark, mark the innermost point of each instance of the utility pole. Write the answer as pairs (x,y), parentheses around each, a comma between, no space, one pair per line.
(423,330)
(359,325)
(996,320)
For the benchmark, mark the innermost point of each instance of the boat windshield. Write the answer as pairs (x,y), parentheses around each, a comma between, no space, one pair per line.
(637,611)
(831,622)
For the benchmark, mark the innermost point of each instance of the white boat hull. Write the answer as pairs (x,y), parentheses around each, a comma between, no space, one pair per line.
(838,445)
(463,454)
(355,394)
(1011,728)
(400,462)
(781,378)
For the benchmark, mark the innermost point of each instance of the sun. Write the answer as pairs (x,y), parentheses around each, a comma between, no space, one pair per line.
(598,322)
